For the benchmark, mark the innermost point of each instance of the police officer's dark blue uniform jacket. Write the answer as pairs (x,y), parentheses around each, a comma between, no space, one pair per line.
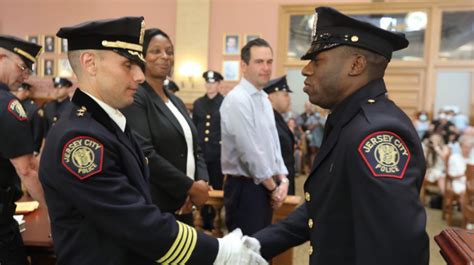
(207,119)
(53,110)
(286,137)
(35,117)
(362,196)
(17,141)
(95,180)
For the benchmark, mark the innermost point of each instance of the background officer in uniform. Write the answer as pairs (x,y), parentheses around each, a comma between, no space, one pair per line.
(362,201)
(96,177)
(171,86)
(35,115)
(207,119)
(53,110)
(16,150)
(278,94)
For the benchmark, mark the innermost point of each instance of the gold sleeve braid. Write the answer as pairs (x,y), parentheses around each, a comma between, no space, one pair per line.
(182,247)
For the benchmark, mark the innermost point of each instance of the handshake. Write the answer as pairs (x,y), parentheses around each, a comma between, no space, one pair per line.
(235,248)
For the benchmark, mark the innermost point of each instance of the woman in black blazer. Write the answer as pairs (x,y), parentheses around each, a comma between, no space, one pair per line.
(162,126)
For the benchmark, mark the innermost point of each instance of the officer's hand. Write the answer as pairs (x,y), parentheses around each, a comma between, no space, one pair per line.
(232,250)
(199,192)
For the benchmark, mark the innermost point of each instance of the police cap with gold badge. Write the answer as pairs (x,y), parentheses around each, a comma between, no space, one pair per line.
(277,84)
(60,82)
(24,86)
(123,36)
(212,76)
(28,52)
(332,29)
(171,85)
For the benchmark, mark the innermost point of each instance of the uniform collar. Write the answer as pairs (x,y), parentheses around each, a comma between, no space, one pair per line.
(351,105)
(82,100)
(3,86)
(113,113)
(212,99)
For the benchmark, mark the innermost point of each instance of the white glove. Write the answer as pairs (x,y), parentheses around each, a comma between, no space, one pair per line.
(232,251)
(252,243)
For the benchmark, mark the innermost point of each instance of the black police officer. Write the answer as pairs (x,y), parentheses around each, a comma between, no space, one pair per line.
(35,115)
(16,151)
(362,201)
(278,94)
(93,171)
(206,117)
(53,110)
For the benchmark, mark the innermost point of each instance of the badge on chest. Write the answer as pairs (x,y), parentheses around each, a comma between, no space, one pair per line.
(82,156)
(385,154)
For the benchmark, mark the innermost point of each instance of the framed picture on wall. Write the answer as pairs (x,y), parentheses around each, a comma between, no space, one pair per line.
(249,37)
(231,44)
(64,68)
(33,39)
(34,69)
(48,67)
(62,45)
(49,43)
(231,70)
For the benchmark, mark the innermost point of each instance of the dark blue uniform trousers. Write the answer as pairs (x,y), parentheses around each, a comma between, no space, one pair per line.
(247,205)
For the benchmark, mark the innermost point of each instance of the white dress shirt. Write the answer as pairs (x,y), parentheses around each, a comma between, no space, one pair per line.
(114,114)
(188,136)
(250,143)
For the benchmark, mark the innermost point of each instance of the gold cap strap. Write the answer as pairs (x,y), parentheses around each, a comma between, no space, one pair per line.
(25,54)
(122,45)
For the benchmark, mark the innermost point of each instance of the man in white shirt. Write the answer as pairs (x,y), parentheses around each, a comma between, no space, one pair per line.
(251,157)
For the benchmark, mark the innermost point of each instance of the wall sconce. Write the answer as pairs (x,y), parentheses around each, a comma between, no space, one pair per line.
(190,70)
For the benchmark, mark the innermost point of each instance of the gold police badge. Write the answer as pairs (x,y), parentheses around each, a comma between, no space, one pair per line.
(82,156)
(17,110)
(385,154)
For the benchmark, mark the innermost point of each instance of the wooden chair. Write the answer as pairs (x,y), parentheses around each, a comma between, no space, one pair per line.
(467,202)
(450,198)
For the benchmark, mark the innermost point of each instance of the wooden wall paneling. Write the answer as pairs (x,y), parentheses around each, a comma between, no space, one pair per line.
(405,88)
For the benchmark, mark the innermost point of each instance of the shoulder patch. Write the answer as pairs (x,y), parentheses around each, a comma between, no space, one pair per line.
(17,110)
(83,156)
(385,154)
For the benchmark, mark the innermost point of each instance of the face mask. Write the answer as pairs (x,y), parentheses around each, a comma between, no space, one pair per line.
(442,116)
(423,117)
(449,117)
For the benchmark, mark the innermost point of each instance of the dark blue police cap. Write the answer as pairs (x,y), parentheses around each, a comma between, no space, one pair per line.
(28,52)
(24,86)
(60,82)
(123,36)
(212,76)
(170,85)
(332,28)
(277,84)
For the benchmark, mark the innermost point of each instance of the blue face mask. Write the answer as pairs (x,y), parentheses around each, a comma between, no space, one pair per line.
(423,117)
